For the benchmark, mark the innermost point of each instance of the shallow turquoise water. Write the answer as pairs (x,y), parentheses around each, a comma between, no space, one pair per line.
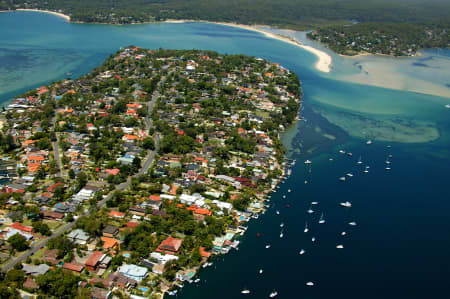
(400,249)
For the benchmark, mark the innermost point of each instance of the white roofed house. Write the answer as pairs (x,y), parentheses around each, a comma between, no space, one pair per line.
(134,272)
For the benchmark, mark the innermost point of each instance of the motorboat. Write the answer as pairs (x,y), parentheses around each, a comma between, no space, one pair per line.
(302,252)
(346,204)
(369,142)
(245,291)
(273,294)
(342,178)
(350,175)
(277,212)
(314,202)
(321,220)
(342,151)
(306,228)
(340,246)
(310,283)
(349,154)
(313,239)
(359,161)
(261,271)
(281,224)
(267,246)
(343,233)
(353,223)
(308,162)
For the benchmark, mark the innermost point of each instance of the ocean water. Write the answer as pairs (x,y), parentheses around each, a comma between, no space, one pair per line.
(400,247)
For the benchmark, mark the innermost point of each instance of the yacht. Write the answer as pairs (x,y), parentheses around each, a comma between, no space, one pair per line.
(346,204)
(342,178)
(245,291)
(369,142)
(353,223)
(310,283)
(273,294)
(447,106)
(306,228)
(343,233)
(267,246)
(321,220)
(302,252)
(308,162)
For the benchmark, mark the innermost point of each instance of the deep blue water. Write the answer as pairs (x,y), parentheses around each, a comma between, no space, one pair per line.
(401,245)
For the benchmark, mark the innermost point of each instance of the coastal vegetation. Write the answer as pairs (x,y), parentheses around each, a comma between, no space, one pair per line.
(377,26)
(394,39)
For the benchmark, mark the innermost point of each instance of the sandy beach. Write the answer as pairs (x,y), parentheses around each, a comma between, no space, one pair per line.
(323,63)
(66,17)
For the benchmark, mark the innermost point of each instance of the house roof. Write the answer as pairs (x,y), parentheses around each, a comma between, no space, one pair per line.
(73,267)
(94,259)
(170,244)
(21,227)
(204,253)
(109,242)
(116,214)
(110,229)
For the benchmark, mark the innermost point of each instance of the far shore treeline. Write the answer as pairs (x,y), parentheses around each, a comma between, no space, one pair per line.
(349,27)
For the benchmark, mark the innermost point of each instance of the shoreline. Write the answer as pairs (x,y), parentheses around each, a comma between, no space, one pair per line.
(61,15)
(323,63)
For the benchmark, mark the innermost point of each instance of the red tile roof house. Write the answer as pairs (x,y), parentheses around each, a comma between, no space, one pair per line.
(94,261)
(116,214)
(170,245)
(52,188)
(73,267)
(21,227)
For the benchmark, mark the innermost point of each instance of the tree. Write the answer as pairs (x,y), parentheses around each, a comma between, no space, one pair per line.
(58,283)
(18,242)
(148,143)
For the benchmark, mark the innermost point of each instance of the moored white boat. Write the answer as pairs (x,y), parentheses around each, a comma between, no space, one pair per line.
(346,204)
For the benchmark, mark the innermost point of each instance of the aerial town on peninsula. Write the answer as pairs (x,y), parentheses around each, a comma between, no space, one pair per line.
(128,180)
